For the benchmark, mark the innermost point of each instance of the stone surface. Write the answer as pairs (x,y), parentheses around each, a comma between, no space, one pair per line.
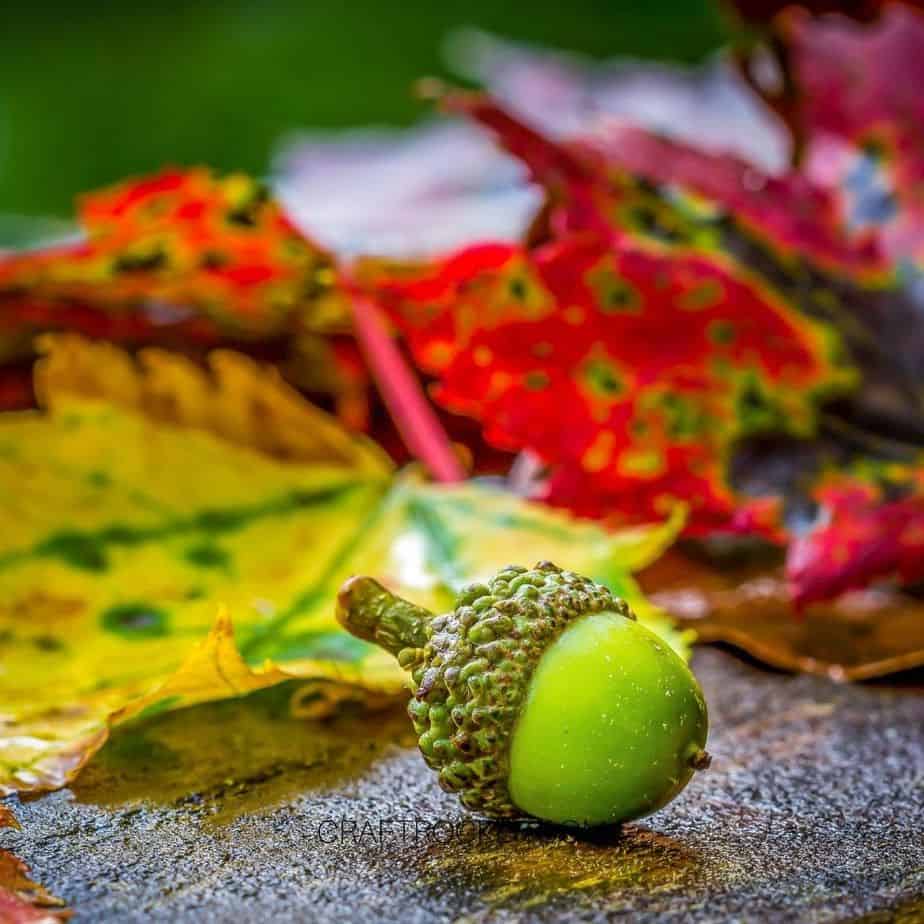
(813,811)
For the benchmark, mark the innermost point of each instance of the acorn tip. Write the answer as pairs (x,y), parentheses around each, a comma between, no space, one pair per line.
(701,760)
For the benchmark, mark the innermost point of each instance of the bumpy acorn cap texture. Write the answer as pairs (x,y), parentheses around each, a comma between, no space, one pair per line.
(472,667)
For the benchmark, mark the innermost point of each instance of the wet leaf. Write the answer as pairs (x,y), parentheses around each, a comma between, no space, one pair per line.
(151,491)
(23,901)
(864,634)
(130,528)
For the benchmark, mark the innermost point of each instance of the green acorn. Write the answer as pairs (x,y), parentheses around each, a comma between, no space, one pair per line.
(541,695)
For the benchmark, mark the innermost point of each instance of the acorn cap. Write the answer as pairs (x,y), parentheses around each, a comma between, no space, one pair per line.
(471,668)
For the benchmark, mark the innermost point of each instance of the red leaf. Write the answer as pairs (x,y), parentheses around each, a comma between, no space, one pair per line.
(594,182)
(661,317)
(23,901)
(180,244)
(862,114)
(863,536)
(631,369)
(788,212)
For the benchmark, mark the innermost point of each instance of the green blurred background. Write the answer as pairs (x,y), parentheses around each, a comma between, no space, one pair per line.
(93,91)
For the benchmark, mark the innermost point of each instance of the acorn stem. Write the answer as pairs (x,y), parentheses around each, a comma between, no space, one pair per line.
(369,611)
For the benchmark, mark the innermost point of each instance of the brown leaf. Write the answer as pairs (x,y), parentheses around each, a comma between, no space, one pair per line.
(860,635)
(7,818)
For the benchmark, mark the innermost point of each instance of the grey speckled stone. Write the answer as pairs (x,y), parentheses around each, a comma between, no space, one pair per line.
(813,811)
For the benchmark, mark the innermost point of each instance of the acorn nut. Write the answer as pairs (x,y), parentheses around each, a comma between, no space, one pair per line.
(541,695)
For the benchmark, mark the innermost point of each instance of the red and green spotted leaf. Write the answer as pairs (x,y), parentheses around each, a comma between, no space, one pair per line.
(628,349)
(670,305)
(781,234)
(179,244)
(608,181)
(188,260)
(787,213)
(794,236)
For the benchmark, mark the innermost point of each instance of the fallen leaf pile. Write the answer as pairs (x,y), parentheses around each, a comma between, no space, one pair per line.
(678,324)
(681,337)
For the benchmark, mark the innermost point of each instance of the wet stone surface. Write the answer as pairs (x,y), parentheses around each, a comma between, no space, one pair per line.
(813,811)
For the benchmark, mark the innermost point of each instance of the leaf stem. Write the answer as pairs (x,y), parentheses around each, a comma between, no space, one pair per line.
(420,428)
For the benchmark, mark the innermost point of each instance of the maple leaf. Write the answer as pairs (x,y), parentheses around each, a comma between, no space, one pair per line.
(151,494)
(186,259)
(629,347)
(862,124)
(670,306)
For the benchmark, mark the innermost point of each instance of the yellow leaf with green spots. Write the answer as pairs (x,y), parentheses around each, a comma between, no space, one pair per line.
(153,503)
(444,537)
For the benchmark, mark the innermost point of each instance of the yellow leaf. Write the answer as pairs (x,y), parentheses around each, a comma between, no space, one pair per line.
(152,494)
(235,398)
(435,539)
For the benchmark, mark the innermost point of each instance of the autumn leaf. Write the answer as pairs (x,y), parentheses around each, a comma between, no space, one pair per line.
(215,249)
(629,358)
(23,901)
(669,309)
(857,113)
(151,493)
(866,534)
(866,633)
(186,259)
